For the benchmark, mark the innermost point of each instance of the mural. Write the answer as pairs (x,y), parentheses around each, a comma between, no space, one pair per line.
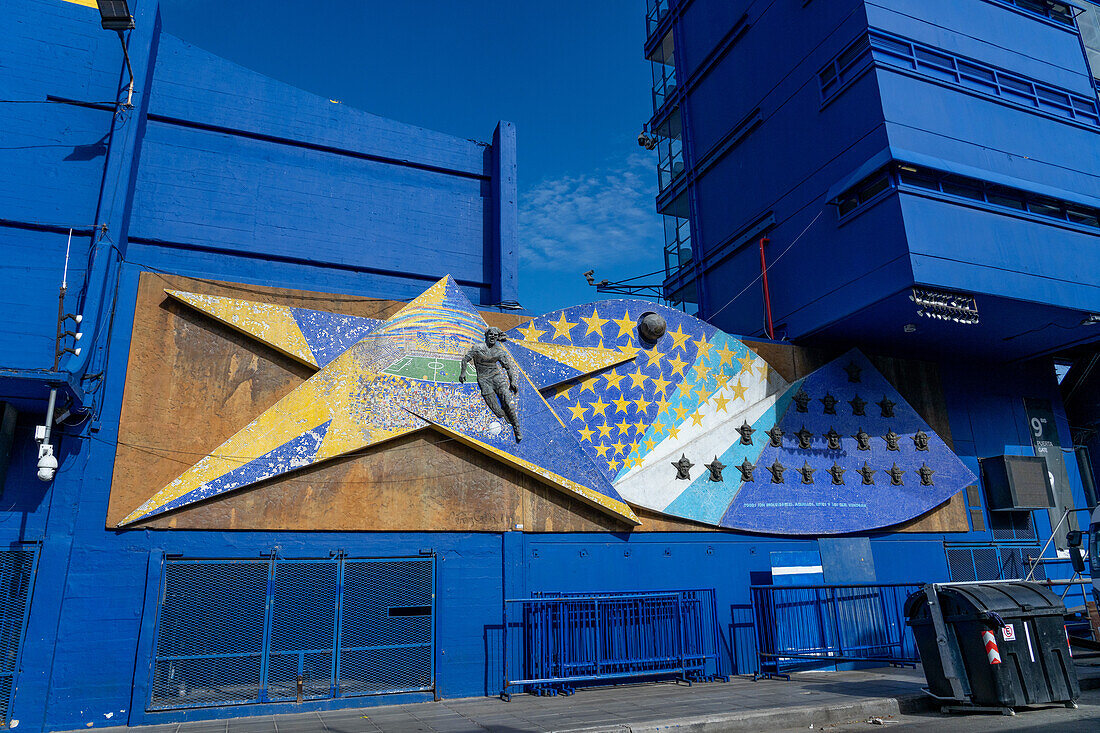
(616,403)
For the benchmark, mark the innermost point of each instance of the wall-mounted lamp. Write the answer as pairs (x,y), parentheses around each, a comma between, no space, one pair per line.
(115,15)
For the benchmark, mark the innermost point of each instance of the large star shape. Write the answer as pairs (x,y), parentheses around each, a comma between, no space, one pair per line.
(378,380)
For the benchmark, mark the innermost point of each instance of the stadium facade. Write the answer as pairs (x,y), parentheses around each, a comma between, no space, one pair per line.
(226,238)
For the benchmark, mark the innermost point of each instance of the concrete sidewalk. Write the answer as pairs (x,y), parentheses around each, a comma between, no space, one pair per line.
(737,705)
(810,698)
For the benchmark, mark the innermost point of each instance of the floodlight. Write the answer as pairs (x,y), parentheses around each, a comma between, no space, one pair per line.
(115,15)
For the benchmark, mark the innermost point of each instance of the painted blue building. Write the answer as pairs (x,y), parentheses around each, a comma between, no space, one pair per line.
(913,178)
(224,182)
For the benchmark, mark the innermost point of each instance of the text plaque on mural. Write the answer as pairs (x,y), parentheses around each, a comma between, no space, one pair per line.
(1044,439)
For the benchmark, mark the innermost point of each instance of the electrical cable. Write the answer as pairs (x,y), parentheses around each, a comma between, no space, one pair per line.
(776,259)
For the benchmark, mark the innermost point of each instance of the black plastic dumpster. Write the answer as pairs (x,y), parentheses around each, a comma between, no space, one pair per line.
(1004,644)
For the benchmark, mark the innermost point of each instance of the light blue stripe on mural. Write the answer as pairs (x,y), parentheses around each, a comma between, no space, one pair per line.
(707,501)
(331,334)
(293,454)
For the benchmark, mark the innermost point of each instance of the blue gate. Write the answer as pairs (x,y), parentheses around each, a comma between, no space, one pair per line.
(805,626)
(232,632)
(16,581)
(555,641)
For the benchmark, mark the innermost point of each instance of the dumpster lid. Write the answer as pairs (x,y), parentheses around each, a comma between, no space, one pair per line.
(1011,598)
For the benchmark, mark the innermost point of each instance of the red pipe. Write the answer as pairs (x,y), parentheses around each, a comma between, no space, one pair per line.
(767,295)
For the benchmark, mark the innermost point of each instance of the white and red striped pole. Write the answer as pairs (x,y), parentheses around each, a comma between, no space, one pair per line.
(1069,644)
(991,650)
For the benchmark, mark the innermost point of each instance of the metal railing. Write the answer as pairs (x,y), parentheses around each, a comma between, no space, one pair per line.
(806,626)
(554,641)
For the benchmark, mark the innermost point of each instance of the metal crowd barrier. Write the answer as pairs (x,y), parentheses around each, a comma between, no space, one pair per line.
(553,642)
(806,626)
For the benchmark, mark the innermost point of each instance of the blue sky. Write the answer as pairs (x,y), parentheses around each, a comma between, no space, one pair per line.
(568,73)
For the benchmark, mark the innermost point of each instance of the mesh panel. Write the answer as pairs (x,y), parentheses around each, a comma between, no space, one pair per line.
(992,563)
(210,639)
(303,630)
(1012,525)
(960,563)
(386,629)
(212,647)
(16,567)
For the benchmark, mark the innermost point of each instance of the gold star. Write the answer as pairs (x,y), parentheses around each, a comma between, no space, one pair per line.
(653,358)
(685,388)
(612,464)
(601,450)
(578,412)
(618,448)
(598,407)
(588,385)
(633,448)
(563,390)
(638,379)
(626,325)
(720,403)
(678,338)
(738,390)
(696,418)
(726,354)
(586,434)
(621,405)
(642,405)
(677,366)
(613,378)
(703,346)
(639,428)
(703,392)
(701,370)
(629,350)
(673,432)
(562,327)
(680,412)
(746,362)
(662,406)
(605,430)
(722,378)
(530,333)
(659,427)
(660,385)
(595,323)
(649,443)
(624,427)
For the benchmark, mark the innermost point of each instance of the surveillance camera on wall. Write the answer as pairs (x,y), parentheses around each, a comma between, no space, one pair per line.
(47,463)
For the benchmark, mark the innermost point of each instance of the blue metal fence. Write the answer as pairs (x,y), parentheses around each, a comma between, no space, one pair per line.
(805,626)
(555,641)
(232,632)
(16,581)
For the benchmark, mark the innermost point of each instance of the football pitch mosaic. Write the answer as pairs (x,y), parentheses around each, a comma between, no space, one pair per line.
(681,418)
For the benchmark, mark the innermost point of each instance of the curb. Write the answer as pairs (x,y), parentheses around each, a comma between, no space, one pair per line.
(759,720)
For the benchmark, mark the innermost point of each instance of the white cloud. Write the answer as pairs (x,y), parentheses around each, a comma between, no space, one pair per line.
(604,220)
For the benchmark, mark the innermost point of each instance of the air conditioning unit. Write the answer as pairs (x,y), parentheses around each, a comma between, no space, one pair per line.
(1016,483)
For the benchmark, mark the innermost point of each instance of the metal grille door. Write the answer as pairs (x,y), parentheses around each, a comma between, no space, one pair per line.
(303,629)
(16,573)
(210,641)
(386,631)
(231,632)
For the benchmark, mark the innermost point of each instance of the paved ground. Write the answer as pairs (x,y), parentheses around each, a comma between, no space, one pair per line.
(833,701)
(1049,719)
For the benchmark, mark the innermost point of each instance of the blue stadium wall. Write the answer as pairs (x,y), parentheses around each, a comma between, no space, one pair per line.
(221,174)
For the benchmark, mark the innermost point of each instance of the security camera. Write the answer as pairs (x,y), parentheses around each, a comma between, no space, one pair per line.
(47,464)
